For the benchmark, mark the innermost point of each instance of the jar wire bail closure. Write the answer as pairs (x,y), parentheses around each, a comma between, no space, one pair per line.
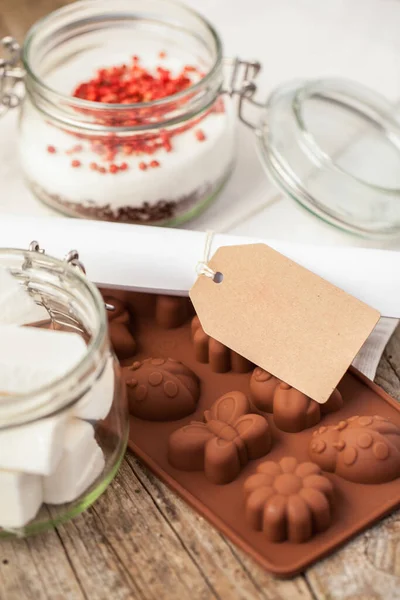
(71,258)
(242,85)
(10,75)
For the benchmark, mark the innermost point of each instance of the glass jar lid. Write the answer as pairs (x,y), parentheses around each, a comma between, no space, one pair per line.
(334,147)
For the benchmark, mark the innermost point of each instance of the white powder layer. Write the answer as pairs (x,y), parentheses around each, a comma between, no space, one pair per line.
(192,165)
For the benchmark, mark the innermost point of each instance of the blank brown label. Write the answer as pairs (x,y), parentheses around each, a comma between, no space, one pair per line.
(282,317)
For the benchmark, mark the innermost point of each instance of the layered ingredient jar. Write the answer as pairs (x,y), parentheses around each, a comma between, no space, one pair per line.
(63,413)
(108,134)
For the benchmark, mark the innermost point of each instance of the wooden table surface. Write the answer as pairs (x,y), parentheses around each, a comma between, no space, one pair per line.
(140,541)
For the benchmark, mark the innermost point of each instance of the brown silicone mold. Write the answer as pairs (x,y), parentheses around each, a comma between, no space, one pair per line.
(288,501)
(226,506)
(220,358)
(121,337)
(224,442)
(361,449)
(171,312)
(262,389)
(161,389)
(292,410)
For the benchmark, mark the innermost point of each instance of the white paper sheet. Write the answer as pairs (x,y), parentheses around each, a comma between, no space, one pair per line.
(367,360)
(155,259)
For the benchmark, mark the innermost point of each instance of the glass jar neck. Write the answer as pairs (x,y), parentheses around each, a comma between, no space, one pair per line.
(73,304)
(107,29)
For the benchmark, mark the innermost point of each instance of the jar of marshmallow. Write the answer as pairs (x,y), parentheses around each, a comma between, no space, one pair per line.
(63,412)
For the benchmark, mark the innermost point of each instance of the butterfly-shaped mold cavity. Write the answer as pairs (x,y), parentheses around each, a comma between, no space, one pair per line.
(224,442)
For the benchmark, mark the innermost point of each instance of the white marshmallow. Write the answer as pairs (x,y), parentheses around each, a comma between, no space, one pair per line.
(81,463)
(94,468)
(31,357)
(35,447)
(96,403)
(20,498)
(16,305)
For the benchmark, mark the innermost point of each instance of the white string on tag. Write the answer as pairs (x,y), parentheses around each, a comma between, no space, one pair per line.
(202,267)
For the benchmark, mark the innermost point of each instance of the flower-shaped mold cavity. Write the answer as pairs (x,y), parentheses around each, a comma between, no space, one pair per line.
(172,311)
(288,501)
(224,443)
(294,411)
(161,389)
(220,358)
(121,338)
(360,449)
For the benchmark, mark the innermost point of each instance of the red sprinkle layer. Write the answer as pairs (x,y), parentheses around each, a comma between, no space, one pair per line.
(200,135)
(76,148)
(129,84)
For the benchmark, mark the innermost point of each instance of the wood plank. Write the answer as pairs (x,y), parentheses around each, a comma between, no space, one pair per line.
(273,588)
(137,541)
(37,568)
(229,572)
(367,568)
(123,547)
(388,373)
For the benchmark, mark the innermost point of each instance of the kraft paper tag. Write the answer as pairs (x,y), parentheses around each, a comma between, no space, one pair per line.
(282,317)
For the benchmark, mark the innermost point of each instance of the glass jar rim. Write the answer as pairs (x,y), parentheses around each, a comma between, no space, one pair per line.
(57,387)
(88,104)
(327,88)
(287,102)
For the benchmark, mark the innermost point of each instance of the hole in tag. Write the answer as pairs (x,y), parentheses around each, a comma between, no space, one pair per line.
(218,277)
